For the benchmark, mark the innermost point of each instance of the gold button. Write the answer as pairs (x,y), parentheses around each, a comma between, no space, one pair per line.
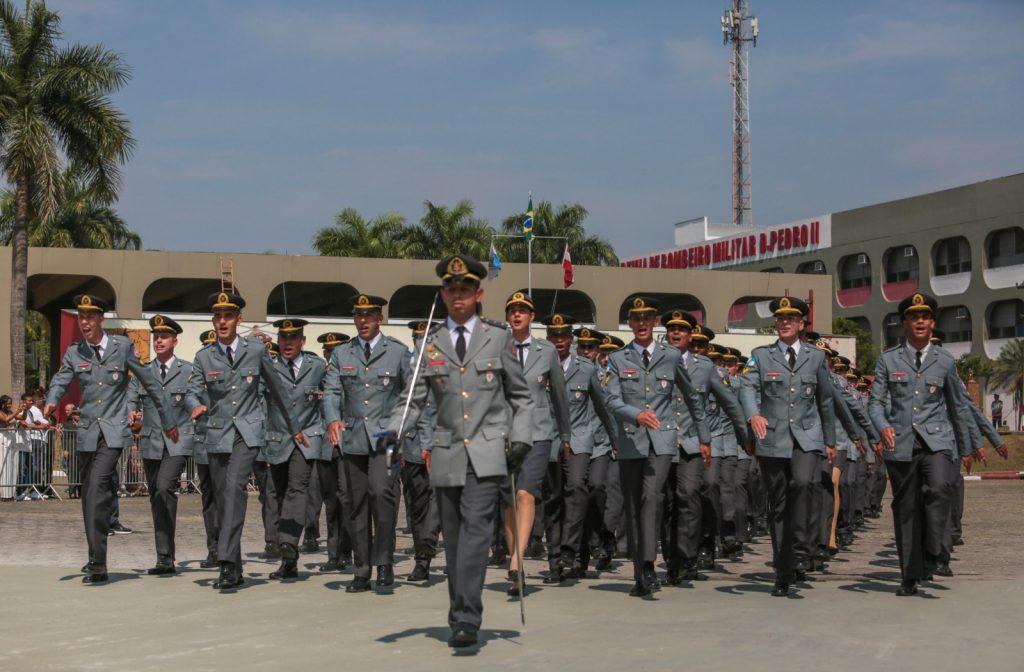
(792,389)
(366,369)
(488,365)
(366,417)
(233,387)
(465,417)
(465,442)
(366,384)
(791,421)
(366,402)
(462,369)
(234,402)
(465,394)
(647,405)
(648,389)
(917,391)
(792,405)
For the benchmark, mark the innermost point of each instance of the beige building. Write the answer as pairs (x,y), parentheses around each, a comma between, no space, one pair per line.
(139,284)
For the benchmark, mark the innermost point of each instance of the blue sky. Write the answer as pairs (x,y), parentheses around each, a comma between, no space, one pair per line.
(257,121)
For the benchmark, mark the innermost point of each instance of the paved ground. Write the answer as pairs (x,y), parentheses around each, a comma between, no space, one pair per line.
(844,620)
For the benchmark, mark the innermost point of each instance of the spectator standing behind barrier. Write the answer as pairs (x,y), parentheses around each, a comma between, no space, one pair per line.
(997,411)
(37,424)
(8,421)
(26,456)
(68,429)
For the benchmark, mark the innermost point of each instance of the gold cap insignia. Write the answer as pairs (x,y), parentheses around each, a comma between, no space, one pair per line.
(784,302)
(519,296)
(222,298)
(86,300)
(676,315)
(917,300)
(158,321)
(638,302)
(585,333)
(455,266)
(363,300)
(557,320)
(697,329)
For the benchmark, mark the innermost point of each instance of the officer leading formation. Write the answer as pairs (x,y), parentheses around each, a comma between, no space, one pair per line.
(497,438)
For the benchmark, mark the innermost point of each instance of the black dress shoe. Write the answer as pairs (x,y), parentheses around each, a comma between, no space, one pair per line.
(535,550)
(799,575)
(271,552)
(690,573)
(575,573)
(161,569)
(229,578)
(781,589)
(498,557)
(640,589)
(385,576)
(705,560)
(98,577)
(421,572)
(85,568)
(672,577)
(360,584)
(554,576)
(944,570)
(331,566)
(461,638)
(651,579)
(907,588)
(210,562)
(288,551)
(958,542)
(287,570)
(311,545)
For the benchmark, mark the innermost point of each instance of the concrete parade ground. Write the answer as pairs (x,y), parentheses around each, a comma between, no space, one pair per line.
(847,619)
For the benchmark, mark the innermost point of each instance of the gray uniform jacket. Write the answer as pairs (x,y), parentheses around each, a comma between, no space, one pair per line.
(474,398)
(915,403)
(104,386)
(714,392)
(586,402)
(544,375)
(302,402)
(364,393)
(235,394)
(797,404)
(199,433)
(602,436)
(726,422)
(631,389)
(152,439)
(846,431)
(418,435)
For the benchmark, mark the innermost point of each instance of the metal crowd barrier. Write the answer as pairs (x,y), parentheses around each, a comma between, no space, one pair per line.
(27,463)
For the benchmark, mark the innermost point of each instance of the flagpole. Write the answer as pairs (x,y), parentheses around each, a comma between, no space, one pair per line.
(529,266)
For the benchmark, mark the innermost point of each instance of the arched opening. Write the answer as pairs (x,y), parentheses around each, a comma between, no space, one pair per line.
(1006,319)
(854,280)
(955,322)
(668,301)
(1005,247)
(893,333)
(180,295)
(902,269)
(815,267)
(311,299)
(952,256)
(569,301)
(412,302)
(54,292)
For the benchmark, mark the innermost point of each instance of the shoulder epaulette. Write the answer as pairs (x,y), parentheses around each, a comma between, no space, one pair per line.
(494,323)
(895,347)
(396,341)
(434,328)
(311,355)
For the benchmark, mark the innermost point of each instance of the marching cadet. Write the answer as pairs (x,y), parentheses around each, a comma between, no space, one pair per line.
(641,384)
(364,379)
(163,460)
(483,405)
(232,373)
(100,363)
(291,462)
(593,543)
(419,496)
(741,492)
(792,421)
(586,401)
(209,501)
(333,488)
(918,404)
(611,517)
(539,362)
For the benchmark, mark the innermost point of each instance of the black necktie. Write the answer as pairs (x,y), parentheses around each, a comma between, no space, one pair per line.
(647,359)
(96,349)
(918,360)
(522,353)
(231,356)
(366,351)
(791,357)
(460,343)
(294,368)
(163,371)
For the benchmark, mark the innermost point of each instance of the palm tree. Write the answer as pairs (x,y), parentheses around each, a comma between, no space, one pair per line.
(1008,370)
(443,231)
(353,236)
(84,218)
(565,222)
(54,103)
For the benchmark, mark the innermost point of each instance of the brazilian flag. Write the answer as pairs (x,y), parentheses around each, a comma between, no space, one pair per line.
(528,222)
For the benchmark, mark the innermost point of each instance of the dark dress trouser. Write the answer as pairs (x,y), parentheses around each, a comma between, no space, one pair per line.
(314,502)
(269,510)
(211,520)
(373,500)
(230,472)
(97,470)
(597,496)
(791,489)
(741,499)
(422,507)
(689,484)
(291,488)
(921,490)
(642,481)
(162,478)
(467,521)
(611,517)
(334,489)
(575,497)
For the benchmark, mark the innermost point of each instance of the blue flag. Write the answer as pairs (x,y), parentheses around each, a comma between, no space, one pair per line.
(494,267)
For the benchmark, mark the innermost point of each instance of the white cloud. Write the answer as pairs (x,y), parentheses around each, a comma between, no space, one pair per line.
(700,61)
(589,54)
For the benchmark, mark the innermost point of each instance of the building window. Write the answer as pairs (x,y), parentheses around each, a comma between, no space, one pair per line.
(901,264)
(1006,247)
(952,255)
(1006,319)
(893,330)
(816,267)
(955,321)
(854,271)
(773,269)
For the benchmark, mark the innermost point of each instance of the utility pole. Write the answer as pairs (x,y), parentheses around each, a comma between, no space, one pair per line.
(740,29)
